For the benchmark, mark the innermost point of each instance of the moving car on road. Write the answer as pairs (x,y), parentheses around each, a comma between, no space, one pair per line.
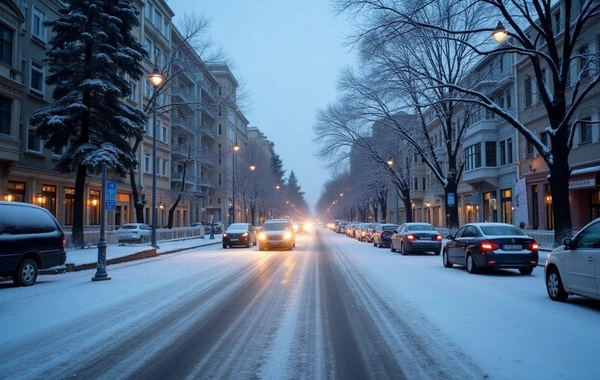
(278,233)
(491,245)
(574,268)
(416,237)
(239,234)
(30,239)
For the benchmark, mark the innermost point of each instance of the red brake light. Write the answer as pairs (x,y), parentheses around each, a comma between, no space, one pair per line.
(439,238)
(64,242)
(410,237)
(489,246)
(533,246)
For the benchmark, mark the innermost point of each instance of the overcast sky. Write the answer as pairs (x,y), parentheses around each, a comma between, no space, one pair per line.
(288,54)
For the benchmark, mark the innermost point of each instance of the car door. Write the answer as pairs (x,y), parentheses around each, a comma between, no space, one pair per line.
(452,247)
(397,237)
(581,263)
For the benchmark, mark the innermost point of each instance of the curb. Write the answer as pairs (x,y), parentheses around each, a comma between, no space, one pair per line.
(145,254)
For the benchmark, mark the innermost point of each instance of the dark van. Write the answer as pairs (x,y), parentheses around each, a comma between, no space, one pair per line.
(30,239)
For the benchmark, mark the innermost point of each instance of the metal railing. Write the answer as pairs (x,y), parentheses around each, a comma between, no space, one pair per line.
(91,237)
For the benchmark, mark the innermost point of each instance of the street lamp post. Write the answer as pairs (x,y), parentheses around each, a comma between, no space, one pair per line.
(236,148)
(156,79)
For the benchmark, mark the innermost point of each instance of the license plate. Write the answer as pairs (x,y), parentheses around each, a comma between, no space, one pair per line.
(425,238)
(513,247)
(233,239)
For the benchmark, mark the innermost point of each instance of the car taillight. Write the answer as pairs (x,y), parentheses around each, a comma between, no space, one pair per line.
(489,246)
(438,238)
(385,233)
(533,246)
(410,237)
(64,242)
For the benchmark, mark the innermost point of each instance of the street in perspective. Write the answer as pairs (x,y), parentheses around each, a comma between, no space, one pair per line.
(332,307)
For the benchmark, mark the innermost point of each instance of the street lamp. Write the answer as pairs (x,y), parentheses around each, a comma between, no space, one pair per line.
(156,80)
(236,148)
(499,33)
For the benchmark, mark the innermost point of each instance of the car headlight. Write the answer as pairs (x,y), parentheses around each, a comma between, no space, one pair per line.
(245,234)
(225,234)
(262,236)
(287,236)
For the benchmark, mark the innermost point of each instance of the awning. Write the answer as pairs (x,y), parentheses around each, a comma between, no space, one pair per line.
(584,178)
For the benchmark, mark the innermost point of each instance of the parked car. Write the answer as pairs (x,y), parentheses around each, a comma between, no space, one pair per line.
(239,234)
(491,245)
(30,239)
(416,237)
(277,233)
(134,232)
(574,268)
(199,224)
(370,230)
(382,236)
(303,227)
(218,228)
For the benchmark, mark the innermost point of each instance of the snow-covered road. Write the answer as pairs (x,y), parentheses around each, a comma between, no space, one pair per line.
(331,308)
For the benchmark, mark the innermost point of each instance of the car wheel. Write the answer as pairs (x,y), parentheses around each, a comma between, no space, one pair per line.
(143,239)
(402,249)
(526,271)
(26,274)
(437,253)
(380,245)
(374,243)
(248,245)
(471,267)
(392,247)
(446,260)
(554,285)
(224,246)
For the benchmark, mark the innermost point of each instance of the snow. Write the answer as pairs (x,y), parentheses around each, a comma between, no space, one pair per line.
(503,321)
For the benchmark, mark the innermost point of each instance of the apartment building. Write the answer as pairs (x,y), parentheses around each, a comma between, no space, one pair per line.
(505,179)
(197,123)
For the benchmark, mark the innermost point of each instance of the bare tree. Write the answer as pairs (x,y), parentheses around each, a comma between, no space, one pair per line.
(548,36)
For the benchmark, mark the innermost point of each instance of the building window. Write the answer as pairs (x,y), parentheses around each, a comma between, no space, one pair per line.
(508,99)
(157,19)
(473,157)
(584,61)
(36,85)
(147,163)
(6,37)
(424,183)
(502,152)
(37,27)
(164,133)
(528,92)
(34,143)
(557,22)
(133,91)
(586,130)
(5,105)
(165,167)
(69,205)
(509,147)
(149,11)
(415,184)
(490,153)
(506,206)
(220,181)
(165,28)
(220,130)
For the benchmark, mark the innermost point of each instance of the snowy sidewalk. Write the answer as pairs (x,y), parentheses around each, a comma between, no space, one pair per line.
(87,258)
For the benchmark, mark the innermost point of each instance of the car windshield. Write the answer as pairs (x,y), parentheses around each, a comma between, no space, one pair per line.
(129,227)
(238,227)
(421,227)
(389,228)
(276,226)
(501,230)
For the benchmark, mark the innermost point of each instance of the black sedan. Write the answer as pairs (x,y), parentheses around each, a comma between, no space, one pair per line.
(239,234)
(382,236)
(416,237)
(491,245)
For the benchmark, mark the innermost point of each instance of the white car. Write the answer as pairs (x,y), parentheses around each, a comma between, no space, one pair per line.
(134,232)
(574,268)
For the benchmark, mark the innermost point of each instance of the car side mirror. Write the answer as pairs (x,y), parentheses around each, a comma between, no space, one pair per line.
(568,242)
(449,237)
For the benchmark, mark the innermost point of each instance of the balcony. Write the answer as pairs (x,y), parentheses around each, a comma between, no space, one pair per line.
(482,130)
(205,182)
(484,174)
(178,121)
(438,191)
(207,131)
(184,95)
(189,179)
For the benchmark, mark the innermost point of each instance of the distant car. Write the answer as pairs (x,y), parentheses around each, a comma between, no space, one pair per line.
(239,234)
(134,232)
(369,234)
(491,245)
(574,268)
(277,233)
(218,228)
(416,237)
(30,239)
(197,225)
(382,235)
(303,227)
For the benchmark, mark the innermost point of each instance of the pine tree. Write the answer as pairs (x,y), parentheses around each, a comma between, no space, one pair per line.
(92,57)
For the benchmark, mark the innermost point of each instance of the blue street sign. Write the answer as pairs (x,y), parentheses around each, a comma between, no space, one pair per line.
(110,205)
(111,192)
(451,199)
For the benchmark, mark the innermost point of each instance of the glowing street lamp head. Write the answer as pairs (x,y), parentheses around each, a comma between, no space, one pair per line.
(499,33)
(156,78)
